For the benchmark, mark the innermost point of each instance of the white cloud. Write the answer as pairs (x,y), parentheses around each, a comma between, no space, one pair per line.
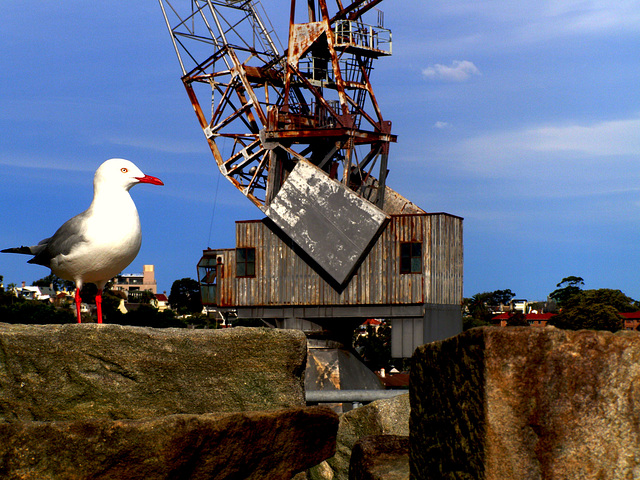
(607,138)
(550,160)
(508,25)
(594,16)
(441,125)
(458,71)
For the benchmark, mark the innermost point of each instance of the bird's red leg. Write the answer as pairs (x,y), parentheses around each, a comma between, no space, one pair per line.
(99,305)
(78,303)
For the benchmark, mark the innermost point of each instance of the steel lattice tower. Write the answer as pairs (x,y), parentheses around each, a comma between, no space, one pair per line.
(266,111)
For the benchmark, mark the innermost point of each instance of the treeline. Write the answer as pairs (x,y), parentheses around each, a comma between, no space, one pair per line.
(184,299)
(574,308)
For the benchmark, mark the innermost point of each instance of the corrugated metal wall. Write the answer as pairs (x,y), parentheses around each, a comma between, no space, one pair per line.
(283,278)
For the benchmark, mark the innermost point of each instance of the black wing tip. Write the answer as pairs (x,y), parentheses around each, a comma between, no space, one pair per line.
(23,250)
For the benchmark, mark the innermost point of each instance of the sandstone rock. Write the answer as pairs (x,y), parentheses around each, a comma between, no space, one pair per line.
(73,372)
(382,417)
(261,446)
(380,457)
(526,403)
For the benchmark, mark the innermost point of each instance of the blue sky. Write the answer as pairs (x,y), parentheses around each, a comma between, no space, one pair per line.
(521,117)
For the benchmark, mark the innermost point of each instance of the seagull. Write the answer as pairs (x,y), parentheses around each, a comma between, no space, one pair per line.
(97,244)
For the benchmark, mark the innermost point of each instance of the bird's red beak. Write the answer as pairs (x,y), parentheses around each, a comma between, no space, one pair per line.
(150,179)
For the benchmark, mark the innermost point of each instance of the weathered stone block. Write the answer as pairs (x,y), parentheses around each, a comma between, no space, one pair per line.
(260,446)
(526,403)
(382,417)
(380,457)
(74,372)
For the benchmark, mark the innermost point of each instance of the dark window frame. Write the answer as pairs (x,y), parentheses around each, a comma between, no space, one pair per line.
(245,262)
(410,257)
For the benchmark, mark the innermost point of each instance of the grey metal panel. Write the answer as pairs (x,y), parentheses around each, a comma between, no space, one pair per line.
(439,322)
(332,224)
(406,336)
(396,338)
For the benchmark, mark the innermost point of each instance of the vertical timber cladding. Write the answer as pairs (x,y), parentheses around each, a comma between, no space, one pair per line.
(329,221)
(226,289)
(446,261)
(282,278)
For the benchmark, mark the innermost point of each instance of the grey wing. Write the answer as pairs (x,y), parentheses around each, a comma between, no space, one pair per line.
(62,242)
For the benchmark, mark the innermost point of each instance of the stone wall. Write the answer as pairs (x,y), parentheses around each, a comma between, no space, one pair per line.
(109,402)
(71,372)
(526,403)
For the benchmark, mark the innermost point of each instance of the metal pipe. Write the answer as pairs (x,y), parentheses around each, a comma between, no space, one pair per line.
(349,396)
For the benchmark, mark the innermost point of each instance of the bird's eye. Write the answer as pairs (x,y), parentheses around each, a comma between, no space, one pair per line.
(124,170)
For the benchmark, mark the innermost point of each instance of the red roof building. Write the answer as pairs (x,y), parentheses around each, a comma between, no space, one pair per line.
(631,319)
(534,319)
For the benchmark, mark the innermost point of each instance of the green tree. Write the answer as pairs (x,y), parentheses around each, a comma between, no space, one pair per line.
(476,308)
(592,317)
(501,297)
(590,309)
(57,283)
(477,305)
(34,312)
(184,296)
(608,296)
(567,289)
(110,303)
(146,296)
(375,346)
(517,319)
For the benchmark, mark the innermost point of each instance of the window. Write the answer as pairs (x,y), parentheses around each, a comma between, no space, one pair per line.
(245,262)
(209,275)
(411,257)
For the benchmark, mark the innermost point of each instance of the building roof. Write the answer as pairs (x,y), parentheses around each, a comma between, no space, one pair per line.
(528,316)
(398,380)
(372,321)
(161,297)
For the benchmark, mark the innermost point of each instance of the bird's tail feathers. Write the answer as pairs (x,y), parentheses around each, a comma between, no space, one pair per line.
(23,250)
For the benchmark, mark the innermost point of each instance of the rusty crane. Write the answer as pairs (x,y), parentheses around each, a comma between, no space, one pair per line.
(283,126)
(300,133)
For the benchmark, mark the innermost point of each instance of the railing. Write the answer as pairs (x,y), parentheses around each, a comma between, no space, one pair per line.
(349,33)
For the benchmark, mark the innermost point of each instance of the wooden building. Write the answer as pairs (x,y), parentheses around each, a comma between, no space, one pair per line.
(412,275)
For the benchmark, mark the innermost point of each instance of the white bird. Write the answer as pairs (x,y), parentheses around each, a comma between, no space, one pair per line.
(97,244)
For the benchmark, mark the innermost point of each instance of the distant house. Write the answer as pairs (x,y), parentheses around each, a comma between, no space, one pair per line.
(136,283)
(631,319)
(371,322)
(64,299)
(44,294)
(534,319)
(161,302)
